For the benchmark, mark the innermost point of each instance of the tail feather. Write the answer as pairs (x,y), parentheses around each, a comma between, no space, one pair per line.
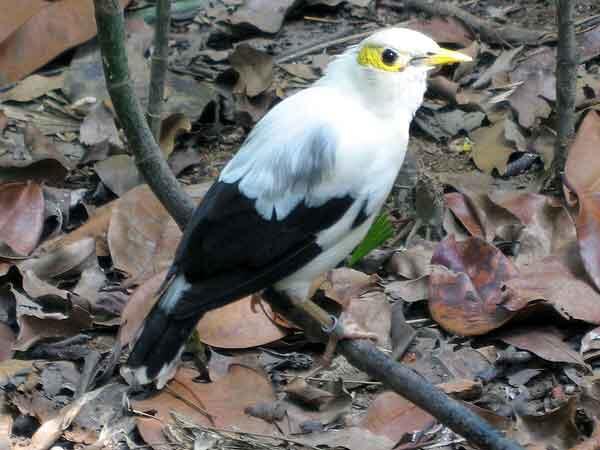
(161,339)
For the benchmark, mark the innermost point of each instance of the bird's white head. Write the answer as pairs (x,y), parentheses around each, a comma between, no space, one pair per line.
(389,68)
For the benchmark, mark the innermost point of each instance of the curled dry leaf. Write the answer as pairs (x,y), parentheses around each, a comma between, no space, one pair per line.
(447,30)
(255,70)
(170,128)
(413,262)
(546,342)
(393,416)
(555,429)
(582,174)
(465,290)
(224,401)
(263,15)
(99,126)
(32,87)
(344,284)
(23,51)
(21,216)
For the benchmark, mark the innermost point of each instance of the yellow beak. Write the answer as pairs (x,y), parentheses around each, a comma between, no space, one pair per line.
(444,56)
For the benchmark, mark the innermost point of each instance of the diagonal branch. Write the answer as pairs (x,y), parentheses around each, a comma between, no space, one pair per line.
(148,157)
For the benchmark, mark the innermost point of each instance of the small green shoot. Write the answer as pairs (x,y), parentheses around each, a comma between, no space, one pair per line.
(381,230)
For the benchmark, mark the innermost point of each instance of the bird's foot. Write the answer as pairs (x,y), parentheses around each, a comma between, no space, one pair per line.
(343,327)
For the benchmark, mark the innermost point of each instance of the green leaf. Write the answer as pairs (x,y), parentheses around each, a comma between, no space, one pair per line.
(381,230)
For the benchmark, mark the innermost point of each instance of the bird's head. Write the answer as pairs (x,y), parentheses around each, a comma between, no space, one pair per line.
(389,68)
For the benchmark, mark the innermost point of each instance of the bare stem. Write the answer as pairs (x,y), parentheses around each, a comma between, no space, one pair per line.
(566,79)
(148,157)
(158,70)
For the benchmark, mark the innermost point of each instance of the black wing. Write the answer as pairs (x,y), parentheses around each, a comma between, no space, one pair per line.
(229,250)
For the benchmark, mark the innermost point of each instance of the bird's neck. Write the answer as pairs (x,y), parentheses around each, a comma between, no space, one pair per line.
(385,95)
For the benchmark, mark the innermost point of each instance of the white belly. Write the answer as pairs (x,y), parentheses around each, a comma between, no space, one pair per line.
(297,285)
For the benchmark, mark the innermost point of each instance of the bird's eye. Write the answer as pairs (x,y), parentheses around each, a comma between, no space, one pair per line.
(389,56)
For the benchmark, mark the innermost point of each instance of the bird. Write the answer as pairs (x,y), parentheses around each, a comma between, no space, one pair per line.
(298,196)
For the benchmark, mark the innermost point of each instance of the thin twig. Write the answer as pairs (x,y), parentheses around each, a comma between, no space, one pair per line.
(148,157)
(158,70)
(368,383)
(566,79)
(488,31)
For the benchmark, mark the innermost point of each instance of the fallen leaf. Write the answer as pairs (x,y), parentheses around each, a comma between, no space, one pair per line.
(466,212)
(590,342)
(490,148)
(502,63)
(261,14)
(414,262)
(7,339)
(225,400)
(303,71)
(546,342)
(447,30)
(254,68)
(171,127)
(49,432)
(393,416)
(21,216)
(589,44)
(245,323)
(538,86)
(119,173)
(352,438)
(373,313)
(465,290)
(99,126)
(560,280)
(593,442)
(344,284)
(32,87)
(555,429)
(24,50)
(142,236)
(6,423)
(581,174)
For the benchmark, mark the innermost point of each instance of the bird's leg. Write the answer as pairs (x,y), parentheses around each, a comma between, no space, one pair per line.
(336,328)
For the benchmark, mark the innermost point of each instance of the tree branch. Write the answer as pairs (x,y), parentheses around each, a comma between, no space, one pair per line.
(148,157)
(158,70)
(566,83)
(402,380)
(164,185)
(489,32)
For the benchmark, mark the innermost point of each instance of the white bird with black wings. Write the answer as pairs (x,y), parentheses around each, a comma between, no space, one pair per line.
(299,195)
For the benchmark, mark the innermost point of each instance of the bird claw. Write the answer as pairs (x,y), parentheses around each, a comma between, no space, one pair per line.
(340,329)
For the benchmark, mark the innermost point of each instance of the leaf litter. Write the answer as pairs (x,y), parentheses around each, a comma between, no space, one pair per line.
(469,311)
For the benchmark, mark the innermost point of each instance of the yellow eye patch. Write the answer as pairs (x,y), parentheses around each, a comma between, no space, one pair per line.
(370,56)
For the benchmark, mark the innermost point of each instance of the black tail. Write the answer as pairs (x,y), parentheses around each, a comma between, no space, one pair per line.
(161,339)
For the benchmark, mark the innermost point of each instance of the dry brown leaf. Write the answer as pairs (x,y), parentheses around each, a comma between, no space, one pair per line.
(6,423)
(465,290)
(344,284)
(21,216)
(263,15)
(393,416)
(546,342)
(99,126)
(299,70)
(36,41)
(413,262)
(7,339)
(530,99)
(225,400)
(32,87)
(593,442)
(447,30)
(502,63)
(246,323)
(12,18)
(142,236)
(171,127)
(582,174)
(373,313)
(561,281)
(490,148)
(555,429)
(119,173)
(466,212)
(255,70)
(590,342)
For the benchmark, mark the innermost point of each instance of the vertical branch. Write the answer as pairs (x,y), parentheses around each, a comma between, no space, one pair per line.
(158,70)
(148,157)
(566,79)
